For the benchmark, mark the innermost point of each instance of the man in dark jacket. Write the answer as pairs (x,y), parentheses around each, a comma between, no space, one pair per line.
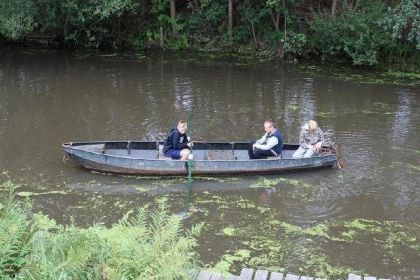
(177,144)
(270,145)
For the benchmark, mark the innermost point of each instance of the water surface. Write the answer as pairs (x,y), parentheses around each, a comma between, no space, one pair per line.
(321,223)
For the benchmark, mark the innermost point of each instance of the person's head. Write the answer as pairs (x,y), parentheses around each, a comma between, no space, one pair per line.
(182,126)
(313,125)
(268,126)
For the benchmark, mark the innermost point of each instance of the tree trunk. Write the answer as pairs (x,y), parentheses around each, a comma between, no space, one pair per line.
(66,25)
(161,37)
(348,4)
(276,19)
(196,5)
(333,8)
(285,28)
(254,36)
(230,20)
(173,18)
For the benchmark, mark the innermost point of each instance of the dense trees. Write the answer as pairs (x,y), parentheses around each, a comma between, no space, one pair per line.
(366,32)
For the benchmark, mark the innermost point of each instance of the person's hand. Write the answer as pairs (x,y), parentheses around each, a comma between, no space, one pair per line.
(190,144)
(253,146)
(318,145)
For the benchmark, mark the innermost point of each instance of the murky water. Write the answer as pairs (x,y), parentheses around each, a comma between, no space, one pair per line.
(362,218)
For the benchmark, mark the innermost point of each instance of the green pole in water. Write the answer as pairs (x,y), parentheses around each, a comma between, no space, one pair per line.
(189,163)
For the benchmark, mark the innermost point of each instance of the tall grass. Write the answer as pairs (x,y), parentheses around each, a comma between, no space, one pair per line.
(142,245)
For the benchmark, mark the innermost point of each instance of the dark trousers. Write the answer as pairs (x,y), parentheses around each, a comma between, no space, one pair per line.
(258,153)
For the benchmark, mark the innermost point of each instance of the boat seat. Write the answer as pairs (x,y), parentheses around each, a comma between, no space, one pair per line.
(220,155)
(161,155)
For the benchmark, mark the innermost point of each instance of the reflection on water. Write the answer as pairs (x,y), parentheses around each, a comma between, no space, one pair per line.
(401,124)
(48,99)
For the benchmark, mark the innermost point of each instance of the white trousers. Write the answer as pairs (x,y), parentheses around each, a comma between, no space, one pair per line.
(303,153)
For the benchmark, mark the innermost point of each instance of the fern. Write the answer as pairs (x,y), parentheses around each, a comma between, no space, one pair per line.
(142,245)
(14,233)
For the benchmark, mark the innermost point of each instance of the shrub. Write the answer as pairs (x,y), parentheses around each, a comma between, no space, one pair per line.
(355,33)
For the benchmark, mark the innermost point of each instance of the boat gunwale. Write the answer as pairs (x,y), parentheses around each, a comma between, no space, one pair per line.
(70,145)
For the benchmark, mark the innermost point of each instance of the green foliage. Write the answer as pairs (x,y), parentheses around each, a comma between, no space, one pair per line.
(355,33)
(68,253)
(159,33)
(142,245)
(16,18)
(204,24)
(96,23)
(14,234)
(295,44)
(404,22)
(365,32)
(140,251)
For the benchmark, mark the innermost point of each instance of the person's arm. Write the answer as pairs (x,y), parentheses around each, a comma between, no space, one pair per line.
(318,145)
(175,141)
(302,140)
(262,140)
(187,141)
(272,141)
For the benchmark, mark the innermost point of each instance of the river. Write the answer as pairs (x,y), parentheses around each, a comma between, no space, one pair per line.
(363,218)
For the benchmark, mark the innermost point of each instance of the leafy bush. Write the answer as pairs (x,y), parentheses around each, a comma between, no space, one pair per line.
(16,18)
(355,33)
(404,22)
(295,44)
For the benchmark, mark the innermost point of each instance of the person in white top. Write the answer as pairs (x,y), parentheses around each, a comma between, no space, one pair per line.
(270,145)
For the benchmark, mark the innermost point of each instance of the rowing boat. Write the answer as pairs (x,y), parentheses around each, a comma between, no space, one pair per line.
(210,158)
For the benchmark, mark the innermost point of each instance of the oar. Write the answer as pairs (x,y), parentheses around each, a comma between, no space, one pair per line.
(189,163)
(340,163)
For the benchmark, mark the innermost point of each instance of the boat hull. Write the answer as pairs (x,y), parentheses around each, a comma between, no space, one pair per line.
(110,163)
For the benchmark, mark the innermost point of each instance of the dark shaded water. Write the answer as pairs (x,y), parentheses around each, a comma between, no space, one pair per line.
(328,222)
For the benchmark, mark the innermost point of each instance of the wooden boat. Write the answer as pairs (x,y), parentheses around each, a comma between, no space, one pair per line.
(146,158)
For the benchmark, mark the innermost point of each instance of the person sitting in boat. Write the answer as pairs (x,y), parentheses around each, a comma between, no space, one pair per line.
(177,145)
(270,145)
(311,139)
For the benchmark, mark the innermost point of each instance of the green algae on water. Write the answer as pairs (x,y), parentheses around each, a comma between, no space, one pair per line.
(410,167)
(227,260)
(406,150)
(271,183)
(325,114)
(28,194)
(229,231)
(292,107)
(404,75)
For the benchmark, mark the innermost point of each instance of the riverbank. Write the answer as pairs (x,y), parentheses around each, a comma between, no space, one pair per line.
(362,32)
